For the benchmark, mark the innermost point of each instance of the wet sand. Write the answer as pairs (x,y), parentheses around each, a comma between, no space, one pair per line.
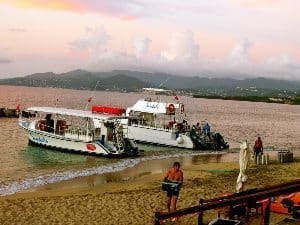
(134,201)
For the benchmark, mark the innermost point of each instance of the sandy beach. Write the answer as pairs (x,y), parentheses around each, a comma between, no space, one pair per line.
(135,201)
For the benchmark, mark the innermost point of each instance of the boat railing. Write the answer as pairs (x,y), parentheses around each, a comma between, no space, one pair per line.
(151,127)
(79,134)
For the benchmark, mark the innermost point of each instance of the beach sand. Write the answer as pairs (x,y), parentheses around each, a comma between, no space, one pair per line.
(135,201)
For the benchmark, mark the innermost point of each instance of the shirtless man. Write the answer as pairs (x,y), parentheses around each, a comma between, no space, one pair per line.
(175,175)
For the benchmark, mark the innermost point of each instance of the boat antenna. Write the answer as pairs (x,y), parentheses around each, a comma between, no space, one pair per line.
(91,96)
(161,84)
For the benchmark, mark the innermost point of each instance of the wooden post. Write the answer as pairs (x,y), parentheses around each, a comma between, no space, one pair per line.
(230,212)
(156,220)
(267,213)
(200,217)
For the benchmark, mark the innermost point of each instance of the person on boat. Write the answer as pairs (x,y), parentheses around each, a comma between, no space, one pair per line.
(206,129)
(174,175)
(180,128)
(258,147)
(170,124)
(198,128)
(185,125)
(49,123)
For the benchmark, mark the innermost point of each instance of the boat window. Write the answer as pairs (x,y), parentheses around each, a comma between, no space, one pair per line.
(97,133)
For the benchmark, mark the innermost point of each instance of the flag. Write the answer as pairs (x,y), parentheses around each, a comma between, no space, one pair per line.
(176,97)
(89,99)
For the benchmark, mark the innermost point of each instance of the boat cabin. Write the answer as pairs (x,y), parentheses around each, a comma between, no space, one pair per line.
(78,124)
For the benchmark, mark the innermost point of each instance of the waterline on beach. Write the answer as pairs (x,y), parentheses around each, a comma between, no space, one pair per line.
(28,183)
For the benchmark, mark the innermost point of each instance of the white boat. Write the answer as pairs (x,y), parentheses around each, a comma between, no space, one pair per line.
(97,132)
(164,123)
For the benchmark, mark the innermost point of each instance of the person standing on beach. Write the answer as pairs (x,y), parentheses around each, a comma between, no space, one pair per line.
(258,147)
(174,174)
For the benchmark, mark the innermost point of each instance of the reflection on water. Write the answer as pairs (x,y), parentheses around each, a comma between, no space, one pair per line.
(40,160)
(207,159)
(39,156)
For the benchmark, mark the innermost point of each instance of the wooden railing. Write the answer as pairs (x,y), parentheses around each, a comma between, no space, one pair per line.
(246,197)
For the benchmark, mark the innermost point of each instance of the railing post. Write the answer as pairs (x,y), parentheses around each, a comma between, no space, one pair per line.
(200,217)
(156,220)
(230,212)
(267,213)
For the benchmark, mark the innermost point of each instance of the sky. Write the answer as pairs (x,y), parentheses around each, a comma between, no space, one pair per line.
(215,38)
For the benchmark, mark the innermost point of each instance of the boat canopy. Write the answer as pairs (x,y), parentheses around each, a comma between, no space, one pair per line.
(150,107)
(108,110)
(74,112)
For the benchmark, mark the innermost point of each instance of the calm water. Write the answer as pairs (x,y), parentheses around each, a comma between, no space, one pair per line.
(23,166)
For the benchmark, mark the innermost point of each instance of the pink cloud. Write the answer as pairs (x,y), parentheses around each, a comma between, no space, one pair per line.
(45,4)
(125,10)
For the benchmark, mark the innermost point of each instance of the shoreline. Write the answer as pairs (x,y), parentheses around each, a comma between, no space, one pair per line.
(140,197)
(125,169)
(141,167)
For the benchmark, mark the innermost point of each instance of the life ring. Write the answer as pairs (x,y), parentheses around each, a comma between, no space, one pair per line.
(42,126)
(182,108)
(171,108)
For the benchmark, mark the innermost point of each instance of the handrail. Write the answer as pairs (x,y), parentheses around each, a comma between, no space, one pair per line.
(231,200)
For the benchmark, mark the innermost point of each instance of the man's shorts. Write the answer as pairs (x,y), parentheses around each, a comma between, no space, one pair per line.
(257,150)
(171,193)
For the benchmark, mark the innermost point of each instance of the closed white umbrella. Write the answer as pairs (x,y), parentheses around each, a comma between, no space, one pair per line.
(244,161)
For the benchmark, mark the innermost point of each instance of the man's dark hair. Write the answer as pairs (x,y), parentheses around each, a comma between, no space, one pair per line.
(176,164)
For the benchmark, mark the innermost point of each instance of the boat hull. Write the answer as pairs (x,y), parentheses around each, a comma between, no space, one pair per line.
(159,137)
(55,141)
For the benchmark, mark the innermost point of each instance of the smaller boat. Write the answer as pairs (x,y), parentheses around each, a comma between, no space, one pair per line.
(97,132)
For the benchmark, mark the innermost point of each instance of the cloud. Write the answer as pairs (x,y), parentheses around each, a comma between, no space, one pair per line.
(141,46)
(181,47)
(239,54)
(101,57)
(283,66)
(17,30)
(94,40)
(3,60)
(45,4)
(280,60)
(127,10)
(181,56)
(110,59)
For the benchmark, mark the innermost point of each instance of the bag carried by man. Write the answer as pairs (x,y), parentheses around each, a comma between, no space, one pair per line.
(168,185)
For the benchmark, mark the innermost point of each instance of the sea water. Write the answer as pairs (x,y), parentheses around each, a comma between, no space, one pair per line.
(23,166)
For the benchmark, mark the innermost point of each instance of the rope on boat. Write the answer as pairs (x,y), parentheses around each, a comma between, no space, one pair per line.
(232,139)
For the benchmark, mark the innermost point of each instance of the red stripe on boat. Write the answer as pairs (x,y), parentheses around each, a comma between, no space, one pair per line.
(90,147)
(107,110)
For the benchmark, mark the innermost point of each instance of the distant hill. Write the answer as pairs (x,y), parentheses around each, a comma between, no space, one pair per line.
(123,80)
(79,79)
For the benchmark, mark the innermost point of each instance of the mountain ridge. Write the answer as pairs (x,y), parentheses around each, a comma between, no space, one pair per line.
(125,80)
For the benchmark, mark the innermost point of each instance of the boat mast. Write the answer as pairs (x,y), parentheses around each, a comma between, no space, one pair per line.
(87,128)
(54,124)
